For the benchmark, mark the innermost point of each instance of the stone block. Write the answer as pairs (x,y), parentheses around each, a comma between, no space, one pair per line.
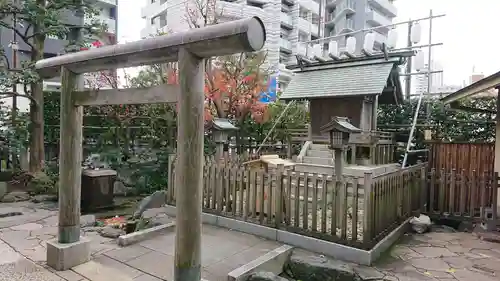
(65,256)
(134,237)
(271,262)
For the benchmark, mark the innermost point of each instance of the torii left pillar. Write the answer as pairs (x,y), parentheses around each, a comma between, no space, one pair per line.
(70,249)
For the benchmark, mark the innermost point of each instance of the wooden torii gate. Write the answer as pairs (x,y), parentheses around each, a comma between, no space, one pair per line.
(190,49)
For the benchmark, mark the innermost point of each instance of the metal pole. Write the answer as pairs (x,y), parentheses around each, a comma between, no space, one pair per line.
(320,17)
(274,126)
(371,28)
(189,169)
(409,63)
(412,131)
(429,74)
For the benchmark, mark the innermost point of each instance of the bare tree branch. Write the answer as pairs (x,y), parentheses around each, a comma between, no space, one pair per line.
(5,95)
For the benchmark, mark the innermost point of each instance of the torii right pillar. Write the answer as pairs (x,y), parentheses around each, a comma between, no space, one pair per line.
(497,154)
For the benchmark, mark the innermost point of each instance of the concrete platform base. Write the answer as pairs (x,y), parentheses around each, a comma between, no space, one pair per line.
(65,256)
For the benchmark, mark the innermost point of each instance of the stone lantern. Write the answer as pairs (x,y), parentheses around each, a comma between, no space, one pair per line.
(221,128)
(340,130)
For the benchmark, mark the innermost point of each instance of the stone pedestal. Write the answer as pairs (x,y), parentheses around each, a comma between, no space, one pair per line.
(97,189)
(65,256)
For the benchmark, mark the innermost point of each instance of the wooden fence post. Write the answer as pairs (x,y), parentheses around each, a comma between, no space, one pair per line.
(279,195)
(494,196)
(367,208)
(171,180)
(423,188)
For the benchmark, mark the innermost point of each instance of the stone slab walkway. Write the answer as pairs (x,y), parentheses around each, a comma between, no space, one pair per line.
(431,256)
(23,250)
(442,256)
(222,251)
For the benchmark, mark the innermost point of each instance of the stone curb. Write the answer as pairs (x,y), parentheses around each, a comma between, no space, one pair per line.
(134,237)
(334,250)
(272,261)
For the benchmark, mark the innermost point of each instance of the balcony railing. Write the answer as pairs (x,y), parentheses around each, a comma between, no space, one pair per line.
(154,9)
(284,43)
(345,8)
(345,26)
(376,19)
(286,19)
(304,25)
(331,3)
(310,5)
(386,6)
(314,29)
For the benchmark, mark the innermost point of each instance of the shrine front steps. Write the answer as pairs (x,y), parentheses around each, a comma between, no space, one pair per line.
(318,154)
(318,160)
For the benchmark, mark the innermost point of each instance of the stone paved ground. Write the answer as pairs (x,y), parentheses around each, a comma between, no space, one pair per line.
(222,251)
(23,250)
(442,256)
(431,256)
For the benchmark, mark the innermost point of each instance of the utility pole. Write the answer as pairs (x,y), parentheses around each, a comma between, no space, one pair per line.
(429,70)
(422,94)
(408,63)
(320,17)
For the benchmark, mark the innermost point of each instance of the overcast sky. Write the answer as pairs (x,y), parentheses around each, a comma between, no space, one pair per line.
(468,26)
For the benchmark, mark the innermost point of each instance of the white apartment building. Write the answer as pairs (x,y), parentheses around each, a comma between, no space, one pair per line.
(422,80)
(54,46)
(289,23)
(343,16)
(285,21)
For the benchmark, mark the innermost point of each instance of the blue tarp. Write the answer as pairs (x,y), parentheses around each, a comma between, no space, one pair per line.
(272,88)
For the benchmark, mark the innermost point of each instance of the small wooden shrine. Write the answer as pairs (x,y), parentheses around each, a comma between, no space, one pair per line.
(349,91)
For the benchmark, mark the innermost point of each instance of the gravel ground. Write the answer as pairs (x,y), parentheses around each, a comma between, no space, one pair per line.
(329,214)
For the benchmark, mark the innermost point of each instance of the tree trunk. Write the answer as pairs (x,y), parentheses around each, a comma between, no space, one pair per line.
(37,149)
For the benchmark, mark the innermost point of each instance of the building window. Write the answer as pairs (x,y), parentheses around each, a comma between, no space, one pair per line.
(163,20)
(112,13)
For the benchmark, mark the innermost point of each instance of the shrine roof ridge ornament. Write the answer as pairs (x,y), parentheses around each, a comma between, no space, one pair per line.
(307,64)
(247,35)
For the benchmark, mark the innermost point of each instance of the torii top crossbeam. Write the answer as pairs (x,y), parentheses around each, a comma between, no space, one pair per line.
(217,40)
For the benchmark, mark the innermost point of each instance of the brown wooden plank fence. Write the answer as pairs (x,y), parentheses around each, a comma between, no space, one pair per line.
(352,211)
(468,157)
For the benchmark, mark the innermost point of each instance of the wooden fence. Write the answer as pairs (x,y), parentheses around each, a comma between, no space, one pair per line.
(462,194)
(332,209)
(479,157)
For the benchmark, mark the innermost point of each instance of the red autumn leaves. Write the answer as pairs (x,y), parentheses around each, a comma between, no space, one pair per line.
(231,95)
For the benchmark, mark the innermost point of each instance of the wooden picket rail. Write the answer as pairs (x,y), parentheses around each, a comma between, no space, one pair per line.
(395,197)
(462,194)
(314,205)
